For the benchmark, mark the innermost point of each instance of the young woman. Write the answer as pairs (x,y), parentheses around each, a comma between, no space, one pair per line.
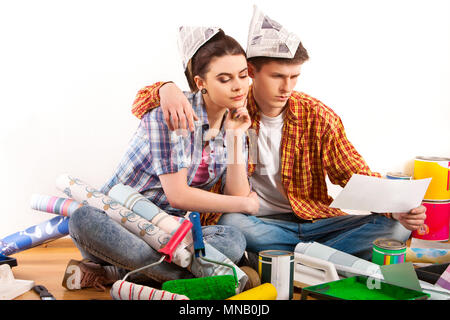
(176,171)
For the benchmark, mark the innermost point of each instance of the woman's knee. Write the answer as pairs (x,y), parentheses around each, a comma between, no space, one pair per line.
(82,218)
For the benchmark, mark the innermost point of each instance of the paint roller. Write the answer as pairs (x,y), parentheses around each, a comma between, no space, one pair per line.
(218,287)
(266,291)
(124,290)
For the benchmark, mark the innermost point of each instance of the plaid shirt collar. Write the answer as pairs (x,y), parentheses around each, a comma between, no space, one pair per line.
(198,104)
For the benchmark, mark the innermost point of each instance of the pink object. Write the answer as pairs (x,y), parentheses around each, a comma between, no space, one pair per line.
(436,225)
(202,174)
(175,240)
(444,280)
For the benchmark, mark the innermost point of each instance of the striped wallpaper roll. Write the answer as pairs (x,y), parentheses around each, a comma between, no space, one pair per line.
(56,205)
(134,201)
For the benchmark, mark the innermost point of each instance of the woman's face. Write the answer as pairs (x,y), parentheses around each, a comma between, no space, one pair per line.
(226,81)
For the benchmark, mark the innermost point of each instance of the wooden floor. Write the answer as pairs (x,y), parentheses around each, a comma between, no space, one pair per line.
(45,265)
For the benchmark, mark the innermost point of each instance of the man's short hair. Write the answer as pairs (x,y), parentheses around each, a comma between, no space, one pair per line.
(301,55)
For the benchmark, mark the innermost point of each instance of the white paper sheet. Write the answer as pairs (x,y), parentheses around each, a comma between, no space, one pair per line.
(381,195)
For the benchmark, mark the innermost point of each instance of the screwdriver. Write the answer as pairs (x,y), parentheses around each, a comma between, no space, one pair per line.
(43,293)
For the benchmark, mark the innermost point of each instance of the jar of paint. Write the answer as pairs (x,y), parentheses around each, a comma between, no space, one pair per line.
(388,251)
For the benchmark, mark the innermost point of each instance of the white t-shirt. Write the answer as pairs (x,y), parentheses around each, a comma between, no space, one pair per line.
(266,180)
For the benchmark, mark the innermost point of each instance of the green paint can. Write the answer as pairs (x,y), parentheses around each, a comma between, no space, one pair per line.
(277,267)
(388,251)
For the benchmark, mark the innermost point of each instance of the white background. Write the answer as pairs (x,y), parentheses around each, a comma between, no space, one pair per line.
(69,72)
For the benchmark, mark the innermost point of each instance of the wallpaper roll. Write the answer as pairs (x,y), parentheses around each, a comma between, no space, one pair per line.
(78,190)
(342,261)
(124,290)
(56,205)
(49,230)
(133,200)
(170,224)
(428,255)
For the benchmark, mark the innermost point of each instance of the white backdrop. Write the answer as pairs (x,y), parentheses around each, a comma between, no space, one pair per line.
(69,72)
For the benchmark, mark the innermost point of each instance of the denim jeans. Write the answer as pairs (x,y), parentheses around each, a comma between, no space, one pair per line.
(353,234)
(102,240)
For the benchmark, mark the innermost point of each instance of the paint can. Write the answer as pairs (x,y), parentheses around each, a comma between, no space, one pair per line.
(388,251)
(277,267)
(436,226)
(398,176)
(438,169)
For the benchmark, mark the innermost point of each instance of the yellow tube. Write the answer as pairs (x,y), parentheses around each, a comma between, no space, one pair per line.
(266,291)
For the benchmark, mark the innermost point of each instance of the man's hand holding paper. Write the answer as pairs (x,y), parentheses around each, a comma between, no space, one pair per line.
(402,198)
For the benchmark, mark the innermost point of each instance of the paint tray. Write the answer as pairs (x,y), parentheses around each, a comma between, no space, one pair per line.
(357,288)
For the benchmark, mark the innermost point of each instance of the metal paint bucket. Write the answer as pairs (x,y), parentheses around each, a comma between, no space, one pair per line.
(277,267)
(388,251)
(439,170)
(398,176)
(436,226)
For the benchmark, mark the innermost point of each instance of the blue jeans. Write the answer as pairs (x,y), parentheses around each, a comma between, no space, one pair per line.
(353,234)
(102,240)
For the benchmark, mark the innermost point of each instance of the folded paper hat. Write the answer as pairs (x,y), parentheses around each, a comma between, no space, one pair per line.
(268,38)
(190,39)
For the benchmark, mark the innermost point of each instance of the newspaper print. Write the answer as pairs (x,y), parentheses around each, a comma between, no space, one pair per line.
(268,38)
(190,39)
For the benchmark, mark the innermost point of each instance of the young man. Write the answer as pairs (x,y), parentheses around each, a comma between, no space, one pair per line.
(299,142)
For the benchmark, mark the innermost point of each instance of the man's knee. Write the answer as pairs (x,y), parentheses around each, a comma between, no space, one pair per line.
(233,219)
(250,226)
(395,230)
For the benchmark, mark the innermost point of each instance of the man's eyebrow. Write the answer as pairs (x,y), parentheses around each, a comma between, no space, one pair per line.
(229,74)
(277,74)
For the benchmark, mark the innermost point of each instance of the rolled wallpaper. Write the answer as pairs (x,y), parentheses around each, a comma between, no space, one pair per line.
(130,198)
(56,205)
(49,230)
(82,192)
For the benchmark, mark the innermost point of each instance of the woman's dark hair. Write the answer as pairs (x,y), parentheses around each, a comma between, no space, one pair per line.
(218,46)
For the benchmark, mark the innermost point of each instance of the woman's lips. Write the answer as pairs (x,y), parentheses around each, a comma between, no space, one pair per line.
(238,98)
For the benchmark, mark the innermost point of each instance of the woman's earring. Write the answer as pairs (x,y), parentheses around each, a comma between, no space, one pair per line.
(204,91)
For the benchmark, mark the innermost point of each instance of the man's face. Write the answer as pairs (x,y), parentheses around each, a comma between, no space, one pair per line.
(273,85)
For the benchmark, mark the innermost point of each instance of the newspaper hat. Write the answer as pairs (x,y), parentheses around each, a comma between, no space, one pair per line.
(190,39)
(268,38)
